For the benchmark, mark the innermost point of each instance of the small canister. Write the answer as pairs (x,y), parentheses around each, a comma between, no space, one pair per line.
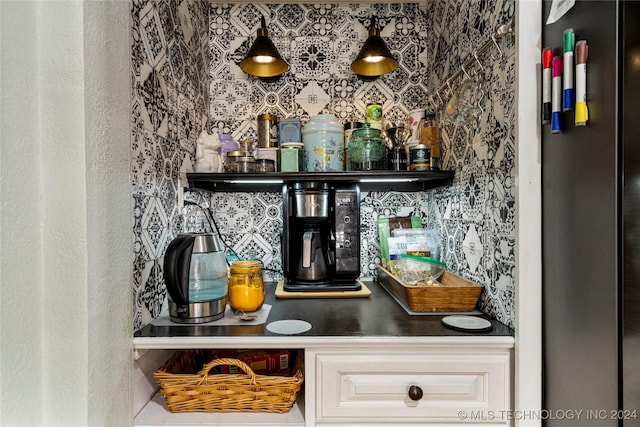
(268,153)
(245,164)
(231,162)
(267,130)
(291,157)
(265,165)
(419,157)
(290,130)
(374,115)
(397,159)
(323,139)
(246,286)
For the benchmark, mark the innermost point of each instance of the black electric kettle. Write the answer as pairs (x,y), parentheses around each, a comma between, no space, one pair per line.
(196,276)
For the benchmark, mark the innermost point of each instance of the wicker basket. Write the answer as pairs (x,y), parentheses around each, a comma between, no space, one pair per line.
(243,392)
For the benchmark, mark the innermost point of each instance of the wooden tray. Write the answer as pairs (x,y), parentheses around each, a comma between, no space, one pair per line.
(454,294)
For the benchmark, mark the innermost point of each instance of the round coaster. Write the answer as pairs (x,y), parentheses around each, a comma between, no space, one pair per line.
(288,327)
(467,323)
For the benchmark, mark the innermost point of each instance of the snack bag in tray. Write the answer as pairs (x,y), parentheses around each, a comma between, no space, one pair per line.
(415,241)
(387,225)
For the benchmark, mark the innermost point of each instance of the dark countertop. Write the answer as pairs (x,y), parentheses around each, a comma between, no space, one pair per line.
(379,315)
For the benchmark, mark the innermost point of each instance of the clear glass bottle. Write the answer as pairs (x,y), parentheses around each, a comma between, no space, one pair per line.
(246,286)
(430,136)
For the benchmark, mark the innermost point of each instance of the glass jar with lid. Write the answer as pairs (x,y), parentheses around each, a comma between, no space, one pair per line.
(245,164)
(265,165)
(367,150)
(249,146)
(246,286)
(231,161)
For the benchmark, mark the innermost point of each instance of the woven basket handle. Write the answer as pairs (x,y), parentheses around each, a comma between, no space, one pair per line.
(204,372)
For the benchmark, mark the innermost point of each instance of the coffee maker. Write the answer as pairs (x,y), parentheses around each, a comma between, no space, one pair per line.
(321,236)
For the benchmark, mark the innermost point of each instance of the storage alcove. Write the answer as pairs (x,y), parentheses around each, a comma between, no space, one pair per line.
(451,368)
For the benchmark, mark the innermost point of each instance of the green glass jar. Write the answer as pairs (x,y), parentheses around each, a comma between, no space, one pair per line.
(367,150)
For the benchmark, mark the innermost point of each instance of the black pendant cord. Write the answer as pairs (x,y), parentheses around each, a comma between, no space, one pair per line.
(209,216)
(213,226)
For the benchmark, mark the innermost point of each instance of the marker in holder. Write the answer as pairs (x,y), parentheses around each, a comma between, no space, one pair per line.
(582,54)
(547,58)
(556,95)
(568,95)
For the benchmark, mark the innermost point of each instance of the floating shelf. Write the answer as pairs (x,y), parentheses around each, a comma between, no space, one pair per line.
(273,181)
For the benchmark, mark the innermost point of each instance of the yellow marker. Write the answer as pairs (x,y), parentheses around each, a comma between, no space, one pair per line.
(582,112)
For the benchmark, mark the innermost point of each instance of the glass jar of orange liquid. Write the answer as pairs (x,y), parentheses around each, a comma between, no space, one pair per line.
(246,286)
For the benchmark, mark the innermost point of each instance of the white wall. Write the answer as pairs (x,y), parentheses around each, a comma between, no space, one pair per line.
(20,226)
(528,353)
(65,236)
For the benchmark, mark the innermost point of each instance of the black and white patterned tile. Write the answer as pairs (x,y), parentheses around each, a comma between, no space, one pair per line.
(478,211)
(169,106)
(319,42)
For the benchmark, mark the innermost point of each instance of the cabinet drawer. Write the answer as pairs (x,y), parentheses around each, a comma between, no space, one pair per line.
(375,387)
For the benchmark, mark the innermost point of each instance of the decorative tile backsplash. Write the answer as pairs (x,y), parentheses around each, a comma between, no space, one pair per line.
(186,78)
(169,107)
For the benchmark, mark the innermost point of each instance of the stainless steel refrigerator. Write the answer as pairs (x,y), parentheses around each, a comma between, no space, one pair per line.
(591,228)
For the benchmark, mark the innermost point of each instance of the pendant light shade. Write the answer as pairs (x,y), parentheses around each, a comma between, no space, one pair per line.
(375,58)
(263,59)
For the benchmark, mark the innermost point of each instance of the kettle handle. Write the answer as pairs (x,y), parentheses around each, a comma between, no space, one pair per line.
(177,262)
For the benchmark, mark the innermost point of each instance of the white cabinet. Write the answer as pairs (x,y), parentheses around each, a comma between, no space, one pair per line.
(463,381)
(358,367)
(410,388)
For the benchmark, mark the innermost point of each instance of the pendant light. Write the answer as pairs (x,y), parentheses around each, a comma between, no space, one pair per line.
(263,59)
(375,58)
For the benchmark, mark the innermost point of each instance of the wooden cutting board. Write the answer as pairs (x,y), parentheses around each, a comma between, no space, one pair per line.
(364,292)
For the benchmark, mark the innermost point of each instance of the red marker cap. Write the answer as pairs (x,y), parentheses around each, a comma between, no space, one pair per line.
(547,57)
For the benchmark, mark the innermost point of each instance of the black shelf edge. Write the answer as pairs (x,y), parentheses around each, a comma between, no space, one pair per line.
(273,181)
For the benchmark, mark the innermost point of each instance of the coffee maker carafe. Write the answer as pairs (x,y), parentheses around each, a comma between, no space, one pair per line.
(312,264)
(321,237)
(195,273)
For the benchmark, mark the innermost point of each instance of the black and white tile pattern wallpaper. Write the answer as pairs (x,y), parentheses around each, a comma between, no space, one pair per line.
(169,107)
(186,78)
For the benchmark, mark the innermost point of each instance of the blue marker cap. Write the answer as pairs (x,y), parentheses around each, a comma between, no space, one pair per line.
(568,99)
(556,126)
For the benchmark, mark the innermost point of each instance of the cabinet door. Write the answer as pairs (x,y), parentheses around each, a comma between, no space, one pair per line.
(374,387)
